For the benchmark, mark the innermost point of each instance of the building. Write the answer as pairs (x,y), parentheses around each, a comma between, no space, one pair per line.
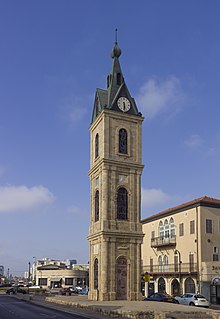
(115,233)
(1,270)
(57,276)
(180,249)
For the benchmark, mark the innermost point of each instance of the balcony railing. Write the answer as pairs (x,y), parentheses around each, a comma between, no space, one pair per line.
(184,268)
(163,241)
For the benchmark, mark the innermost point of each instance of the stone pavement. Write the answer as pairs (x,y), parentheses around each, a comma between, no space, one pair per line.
(123,309)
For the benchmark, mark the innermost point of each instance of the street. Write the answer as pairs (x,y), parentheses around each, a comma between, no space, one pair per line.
(11,308)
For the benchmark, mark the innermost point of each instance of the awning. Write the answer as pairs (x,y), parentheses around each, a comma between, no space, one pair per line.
(55,279)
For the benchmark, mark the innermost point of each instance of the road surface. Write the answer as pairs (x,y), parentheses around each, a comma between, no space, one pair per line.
(13,308)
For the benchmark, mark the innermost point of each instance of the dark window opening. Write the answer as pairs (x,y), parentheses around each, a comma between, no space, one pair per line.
(97,145)
(118,78)
(96,272)
(97,206)
(122,204)
(208,226)
(69,281)
(123,141)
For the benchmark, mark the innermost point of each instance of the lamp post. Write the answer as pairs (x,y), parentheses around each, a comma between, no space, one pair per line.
(34,270)
(29,274)
(180,262)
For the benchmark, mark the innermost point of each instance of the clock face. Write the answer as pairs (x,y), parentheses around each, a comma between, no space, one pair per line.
(124,104)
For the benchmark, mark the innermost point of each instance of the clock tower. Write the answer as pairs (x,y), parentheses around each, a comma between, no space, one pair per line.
(115,233)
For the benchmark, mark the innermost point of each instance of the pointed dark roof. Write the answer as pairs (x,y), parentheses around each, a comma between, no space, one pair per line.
(116,87)
(201,201)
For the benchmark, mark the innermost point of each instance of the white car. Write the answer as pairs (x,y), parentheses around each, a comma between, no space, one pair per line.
(193,300)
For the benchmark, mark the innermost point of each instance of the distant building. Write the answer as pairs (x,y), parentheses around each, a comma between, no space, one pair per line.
(53,273)
(180,249)
(57,276)
(1,270)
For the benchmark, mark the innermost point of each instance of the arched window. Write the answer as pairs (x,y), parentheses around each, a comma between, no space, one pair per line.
(96,273)
(96,206)
(122,204)
(123,141)
(189,285)
(161,230)
(172,227)
(96,145)
(161,285)
(167,228)
(165,263)
(160,264)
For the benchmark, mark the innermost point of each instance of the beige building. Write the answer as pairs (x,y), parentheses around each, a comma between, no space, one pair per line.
(180,249)
(57,276)
(115,233)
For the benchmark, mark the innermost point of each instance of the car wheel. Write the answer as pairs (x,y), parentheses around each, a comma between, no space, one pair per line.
(191,304)
(177,301)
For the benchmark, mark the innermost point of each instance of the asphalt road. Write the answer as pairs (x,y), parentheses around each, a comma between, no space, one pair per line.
(12,308)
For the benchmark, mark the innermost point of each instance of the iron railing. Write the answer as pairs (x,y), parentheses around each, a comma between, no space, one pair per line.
(163,241)
(183,268)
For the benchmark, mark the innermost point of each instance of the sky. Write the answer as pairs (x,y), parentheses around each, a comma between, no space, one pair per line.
(53,56)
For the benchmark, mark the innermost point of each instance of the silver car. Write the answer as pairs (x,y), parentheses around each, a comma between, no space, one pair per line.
(193,300)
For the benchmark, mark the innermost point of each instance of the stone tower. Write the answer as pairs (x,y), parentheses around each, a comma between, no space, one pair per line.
(115,233)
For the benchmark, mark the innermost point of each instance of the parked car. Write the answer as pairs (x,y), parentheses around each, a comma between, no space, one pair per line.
(161,297)
(193,300)
(14,290)
(84,291)
(65,292)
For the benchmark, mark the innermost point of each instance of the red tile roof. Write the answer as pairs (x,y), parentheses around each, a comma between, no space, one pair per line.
(201,201)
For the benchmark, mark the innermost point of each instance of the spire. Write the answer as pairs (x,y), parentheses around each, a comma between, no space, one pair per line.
(116,52)
(115,78)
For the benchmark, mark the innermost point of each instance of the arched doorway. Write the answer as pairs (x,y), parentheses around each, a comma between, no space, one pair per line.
(215,291)
(190,285)
(161,285)
(121,278)
(175,287)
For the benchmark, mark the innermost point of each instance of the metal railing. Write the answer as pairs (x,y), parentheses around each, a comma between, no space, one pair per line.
(163,241)
(183,268)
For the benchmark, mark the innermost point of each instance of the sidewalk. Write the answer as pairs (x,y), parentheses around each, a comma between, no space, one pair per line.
(122,308)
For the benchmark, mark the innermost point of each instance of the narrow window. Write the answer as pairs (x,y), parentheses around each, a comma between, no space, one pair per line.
(191,262)
(167,228)
(209,226)
(176,263)
(160,264)
(172,228)
(181,229)
(151,264)
(192,227)
(123,141)
(152,234)
(96,273)
(122,204)
(161,230)
(97,145)
(96,206)
(215,253)
(165,262)
(118,78)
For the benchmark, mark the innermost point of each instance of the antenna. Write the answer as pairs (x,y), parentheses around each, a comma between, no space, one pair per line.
(116,36)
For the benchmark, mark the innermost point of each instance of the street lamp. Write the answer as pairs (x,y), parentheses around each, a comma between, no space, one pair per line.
(34,270)
(180,262)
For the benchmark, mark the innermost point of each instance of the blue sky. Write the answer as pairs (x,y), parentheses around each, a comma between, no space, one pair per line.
(53,56)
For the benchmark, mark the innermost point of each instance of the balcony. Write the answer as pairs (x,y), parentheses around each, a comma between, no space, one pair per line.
(171,269)
(163,241)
